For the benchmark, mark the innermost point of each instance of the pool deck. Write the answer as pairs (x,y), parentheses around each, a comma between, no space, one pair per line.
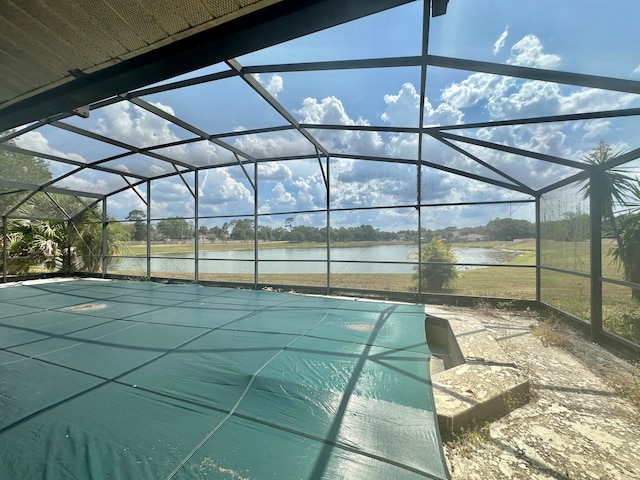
(576,425)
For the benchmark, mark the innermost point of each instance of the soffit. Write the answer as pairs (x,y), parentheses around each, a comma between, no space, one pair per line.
(57,56)
(45,44)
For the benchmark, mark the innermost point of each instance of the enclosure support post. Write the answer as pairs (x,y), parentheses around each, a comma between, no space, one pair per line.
(148,229)
(419,239)
(255,225)
(328,188)
(69,268)
(426,25)
(5,257)
(595,205)
(196,225)
(538,255)
(105,237)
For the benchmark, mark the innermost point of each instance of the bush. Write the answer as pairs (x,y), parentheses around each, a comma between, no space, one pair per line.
(436,272)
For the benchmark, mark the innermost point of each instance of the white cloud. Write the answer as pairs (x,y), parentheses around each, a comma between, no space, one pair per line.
(165,108)
(501,98)
(636,71)
(366,183)
(92,181)
(402,145)
(474,88)
(530,98)
(439,186)
(532,172)
(594,129)
(592,100)
(500,41)
(402,109)
(200,154)
(273,171)
(279,199)
(330,110)
(136,126)
(170,197)
(277,144)
(443,114)
(219,190)
(139,127)
(37,142)
(362,183)
(281,196)
(119,206)
(143,166)
(296,184)
(528,52)
(274,85)
(504,97)
(311,192)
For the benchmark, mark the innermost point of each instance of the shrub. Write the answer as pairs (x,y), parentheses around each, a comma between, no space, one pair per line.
(436,271)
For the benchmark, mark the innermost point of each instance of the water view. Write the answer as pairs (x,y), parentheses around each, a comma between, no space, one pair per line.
(308,260)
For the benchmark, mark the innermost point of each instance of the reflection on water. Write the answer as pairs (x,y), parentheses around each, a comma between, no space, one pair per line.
(308,260)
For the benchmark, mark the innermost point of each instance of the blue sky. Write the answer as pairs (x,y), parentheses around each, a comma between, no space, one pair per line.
(573,35)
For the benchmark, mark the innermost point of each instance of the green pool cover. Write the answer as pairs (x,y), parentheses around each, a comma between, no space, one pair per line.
(139,380)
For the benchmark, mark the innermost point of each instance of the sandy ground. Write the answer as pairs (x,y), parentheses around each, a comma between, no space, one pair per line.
(577,424)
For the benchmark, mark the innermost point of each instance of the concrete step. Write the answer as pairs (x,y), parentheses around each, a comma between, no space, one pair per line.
(487,386)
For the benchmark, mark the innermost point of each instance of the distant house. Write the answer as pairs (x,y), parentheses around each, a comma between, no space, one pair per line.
(474,237)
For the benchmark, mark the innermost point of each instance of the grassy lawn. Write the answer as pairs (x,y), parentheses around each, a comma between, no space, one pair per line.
(498,282)
(528,245)
(501,281)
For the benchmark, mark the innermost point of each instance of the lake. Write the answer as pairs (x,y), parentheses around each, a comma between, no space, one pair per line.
(307,260)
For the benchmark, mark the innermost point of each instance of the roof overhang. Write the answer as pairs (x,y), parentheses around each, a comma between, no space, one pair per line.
(260,24)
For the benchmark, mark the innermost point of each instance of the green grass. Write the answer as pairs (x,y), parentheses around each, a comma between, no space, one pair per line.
(524,246)
(497,282)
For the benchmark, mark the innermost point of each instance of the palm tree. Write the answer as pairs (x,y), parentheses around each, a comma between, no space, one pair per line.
(436,270)
(629,228)
(34,242)
(47,243)
(86,240)
(616,188)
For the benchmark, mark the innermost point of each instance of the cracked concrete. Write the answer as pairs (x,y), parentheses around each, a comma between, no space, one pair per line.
(576,425)
(488,385)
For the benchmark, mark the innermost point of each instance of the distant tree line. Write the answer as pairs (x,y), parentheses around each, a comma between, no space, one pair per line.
(178,228)
(572,227)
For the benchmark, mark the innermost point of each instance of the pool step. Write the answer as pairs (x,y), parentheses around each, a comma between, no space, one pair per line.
(487,386)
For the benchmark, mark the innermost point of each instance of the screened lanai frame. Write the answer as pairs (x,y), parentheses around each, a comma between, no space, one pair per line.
(451,136)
